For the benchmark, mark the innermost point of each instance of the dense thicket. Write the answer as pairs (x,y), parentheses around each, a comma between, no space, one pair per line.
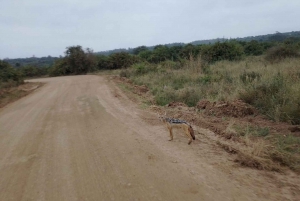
(76,61)
(33,71)
(232,50)
(32,61)
(9,76)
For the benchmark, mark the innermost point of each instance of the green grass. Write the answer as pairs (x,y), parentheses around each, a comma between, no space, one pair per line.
(274,89)
(250,130)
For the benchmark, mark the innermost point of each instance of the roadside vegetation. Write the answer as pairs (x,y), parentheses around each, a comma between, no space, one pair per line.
(12,85)
(222,72)
(263,75)
(10,78)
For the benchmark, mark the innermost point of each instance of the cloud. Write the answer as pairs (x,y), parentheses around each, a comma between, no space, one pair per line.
(47,27)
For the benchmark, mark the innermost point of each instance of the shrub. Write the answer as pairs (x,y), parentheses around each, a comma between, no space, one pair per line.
(165,96)
(171,64)
(189,51)
(76,61)
(222,51)
(189,96)
(278,53)
(60,68)
(178,82)
(121,60)
(125,73)
(274,99)
(102,62)
(253,48)
(9,74)
(33,71)
(249,77)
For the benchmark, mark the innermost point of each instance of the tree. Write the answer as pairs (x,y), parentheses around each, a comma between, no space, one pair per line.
(80,61)
(139,49)
(9,74)
(146,55)
(190,51)
(76,61)
(160,53)
(121,60)
(253,48)
(102,62)
(222,51)
(175,52)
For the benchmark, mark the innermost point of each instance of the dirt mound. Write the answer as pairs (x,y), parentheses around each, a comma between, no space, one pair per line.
(140,89)
(137,89)
(235,108)
(177,104)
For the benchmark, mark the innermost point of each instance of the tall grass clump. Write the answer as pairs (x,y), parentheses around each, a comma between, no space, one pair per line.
(279,53)
(275,91)
(286,151)
(273,88)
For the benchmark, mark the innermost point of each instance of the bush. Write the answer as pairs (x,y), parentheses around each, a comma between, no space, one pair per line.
(9,74)
(278,53)
(121,60)
(60,68)
(249,77)
(125,73)
(102,62)
(189,51)
(33,71)
(222,51)
(76,61)
(253,48)
(171,64)
(189,96)
(274,99)
(160,53)
(146,55)
(140,68)
(165,96)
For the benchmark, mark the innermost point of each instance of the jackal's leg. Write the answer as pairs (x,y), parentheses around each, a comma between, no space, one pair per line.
(187,133)
(171,134)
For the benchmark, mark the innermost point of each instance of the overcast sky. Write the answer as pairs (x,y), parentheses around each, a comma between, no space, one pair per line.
(47,27)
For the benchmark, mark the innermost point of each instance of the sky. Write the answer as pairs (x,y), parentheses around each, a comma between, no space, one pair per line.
(47,27)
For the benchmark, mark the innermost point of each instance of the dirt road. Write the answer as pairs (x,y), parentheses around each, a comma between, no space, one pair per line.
(80,138)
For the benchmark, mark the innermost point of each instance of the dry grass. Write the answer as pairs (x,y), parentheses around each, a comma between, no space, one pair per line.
(12,93)
(274,89)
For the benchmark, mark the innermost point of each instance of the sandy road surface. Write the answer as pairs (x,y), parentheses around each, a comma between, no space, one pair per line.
(74,139)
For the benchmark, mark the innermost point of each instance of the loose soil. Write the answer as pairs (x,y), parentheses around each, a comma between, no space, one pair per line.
(11,94)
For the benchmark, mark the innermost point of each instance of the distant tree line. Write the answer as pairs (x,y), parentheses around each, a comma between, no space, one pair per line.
(81,61)
(32,61)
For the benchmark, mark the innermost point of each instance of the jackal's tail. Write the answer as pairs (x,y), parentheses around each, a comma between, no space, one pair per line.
(192,132)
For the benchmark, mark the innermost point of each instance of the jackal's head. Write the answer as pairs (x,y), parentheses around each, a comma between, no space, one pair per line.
(162,117)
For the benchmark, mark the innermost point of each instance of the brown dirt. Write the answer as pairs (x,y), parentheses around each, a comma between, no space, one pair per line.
(12,94)
(82,138)
(235,108)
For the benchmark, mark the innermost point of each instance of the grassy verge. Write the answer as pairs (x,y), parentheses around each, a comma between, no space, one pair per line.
(11,93)
(274,89)
(268,149)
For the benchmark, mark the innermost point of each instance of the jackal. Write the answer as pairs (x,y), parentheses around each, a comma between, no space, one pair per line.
(177,123)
